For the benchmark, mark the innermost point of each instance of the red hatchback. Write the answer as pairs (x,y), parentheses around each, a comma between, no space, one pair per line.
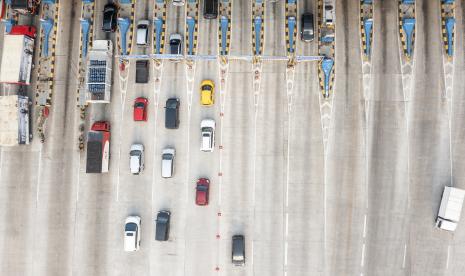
(201,191)
(140,109)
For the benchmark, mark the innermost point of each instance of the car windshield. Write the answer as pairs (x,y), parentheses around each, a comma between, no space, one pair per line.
(130,227)
(139,105)
(167,156)
(201,188)
(206,134)
(207,87)
(134,153)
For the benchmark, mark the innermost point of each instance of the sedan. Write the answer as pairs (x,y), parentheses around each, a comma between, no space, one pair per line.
(140,109)
(132,233)
(202,191)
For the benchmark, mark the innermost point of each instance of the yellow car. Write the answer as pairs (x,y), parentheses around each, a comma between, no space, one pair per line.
(207,91)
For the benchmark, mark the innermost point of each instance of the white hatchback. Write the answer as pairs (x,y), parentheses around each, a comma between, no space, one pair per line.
(207,128)
(132,233)
(142,34)
(136,158)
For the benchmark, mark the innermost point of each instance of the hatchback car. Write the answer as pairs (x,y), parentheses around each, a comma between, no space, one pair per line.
(306,27)
(132,233)
(207,128)
(110,15)
(207,91)
(202,191)
(142,33)
(167,162)
(140,109)
(136,158)
(172,113)
(175,44)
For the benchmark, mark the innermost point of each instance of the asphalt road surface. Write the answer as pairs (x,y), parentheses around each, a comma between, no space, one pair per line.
(364,204)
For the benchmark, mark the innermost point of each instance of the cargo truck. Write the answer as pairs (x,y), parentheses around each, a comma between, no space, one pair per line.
(98,148)
(98,77)
(18,49)
(14,120)
(450,208)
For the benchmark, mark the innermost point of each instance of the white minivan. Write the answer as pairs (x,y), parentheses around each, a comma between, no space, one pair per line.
(167,162)
(142,34)
(136,158)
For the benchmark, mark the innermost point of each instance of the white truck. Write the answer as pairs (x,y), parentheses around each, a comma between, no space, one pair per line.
(98,77)
(17,59)
(14,120)
(450,209)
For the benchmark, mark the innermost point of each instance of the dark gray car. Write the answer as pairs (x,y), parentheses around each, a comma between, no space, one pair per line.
(172,113)
(307,32)
(162,225)
(238,250)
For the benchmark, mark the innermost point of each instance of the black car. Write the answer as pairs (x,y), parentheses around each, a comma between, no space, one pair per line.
(142,71)
(307,33)
(162,226)
(210,9)
(172,113)
(110,15)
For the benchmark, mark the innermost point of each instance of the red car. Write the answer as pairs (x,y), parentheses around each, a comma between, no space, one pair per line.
(140,109)
(201,191)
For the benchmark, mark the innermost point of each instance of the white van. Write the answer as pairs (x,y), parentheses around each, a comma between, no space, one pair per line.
(136,158)
(167,162)
(328,12)
(142,34)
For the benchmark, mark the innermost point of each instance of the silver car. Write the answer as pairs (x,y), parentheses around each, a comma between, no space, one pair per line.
(178,2)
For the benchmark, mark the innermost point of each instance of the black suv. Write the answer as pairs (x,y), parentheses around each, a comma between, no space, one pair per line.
(162,226)
(110,15)
(172,113)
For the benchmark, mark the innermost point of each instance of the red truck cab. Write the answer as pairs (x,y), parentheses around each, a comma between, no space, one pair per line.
(98,148)
(30,31)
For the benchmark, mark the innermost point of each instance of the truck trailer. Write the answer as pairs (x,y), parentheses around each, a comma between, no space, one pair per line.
(450,208)
(98,148)
(18,49)
(14,120)
(98,77)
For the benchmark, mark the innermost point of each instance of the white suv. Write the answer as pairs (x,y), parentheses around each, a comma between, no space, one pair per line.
(132,233)
(207,128)
(136,158)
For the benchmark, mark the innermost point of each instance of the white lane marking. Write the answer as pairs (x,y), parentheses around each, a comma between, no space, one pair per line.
(78,176)
(39,174)
(405,256)
(362,263)
(287,225)
(365,226)
(123,99)
(155,157)
(448,255)
(285,253)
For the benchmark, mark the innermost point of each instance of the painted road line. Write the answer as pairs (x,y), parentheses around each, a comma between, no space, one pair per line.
(405,256)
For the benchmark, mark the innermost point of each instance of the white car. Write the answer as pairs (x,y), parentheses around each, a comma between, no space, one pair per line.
(207,128)
(132,233)
(142,33)
(136,158)
(178,2)
(167,162)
